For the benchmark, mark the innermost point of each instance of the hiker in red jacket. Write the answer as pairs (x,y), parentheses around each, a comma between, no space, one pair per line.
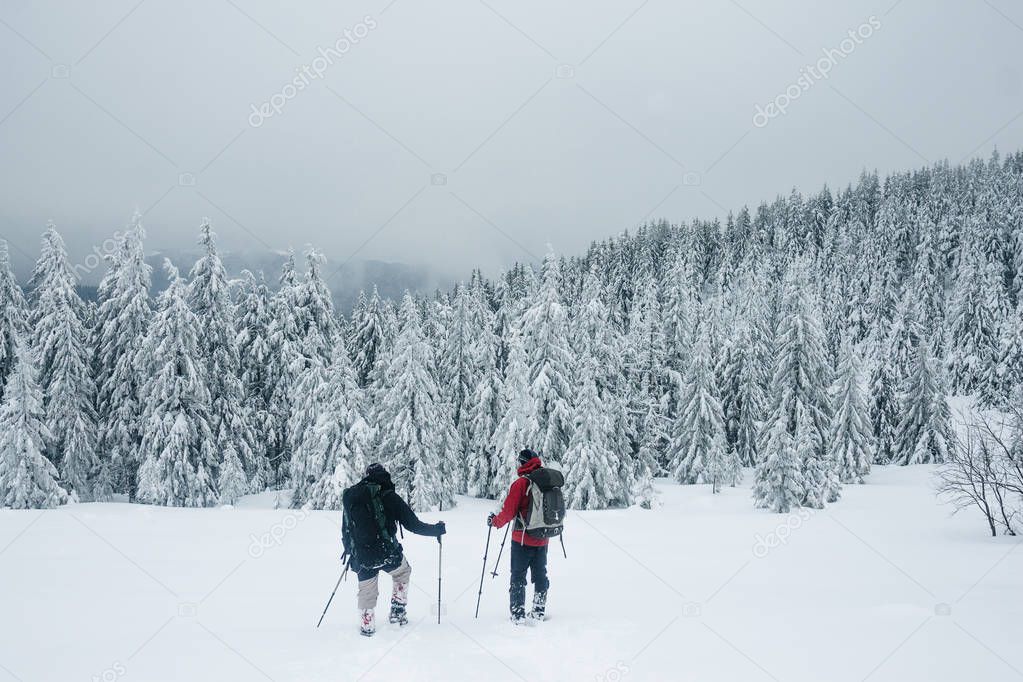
(527,552)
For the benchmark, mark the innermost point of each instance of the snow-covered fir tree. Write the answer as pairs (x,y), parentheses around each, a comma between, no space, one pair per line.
(368,335)
(417,439)
(742,395)
(925,434)
(339,444)
(254,353)
(13,315)
(801,371)
(778,479)
(486,407)
(852,446)
(286,362)
(545,335)
(974,321)
(466,352)
(698,437)
(178,450)
(820,478)
(209,297)
(884,408)
(122,322)
(306,403)
(518,427)
(61,344)
(591,469)
(28,480)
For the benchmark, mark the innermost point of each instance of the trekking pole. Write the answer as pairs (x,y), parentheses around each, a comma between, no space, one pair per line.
(483,573)
(338,584)
(562,539)
(440,554)
(500,551)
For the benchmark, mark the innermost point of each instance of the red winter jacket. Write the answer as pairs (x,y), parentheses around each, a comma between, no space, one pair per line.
(517,505)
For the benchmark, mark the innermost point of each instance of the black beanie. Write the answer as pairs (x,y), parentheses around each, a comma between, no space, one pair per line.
(374,468)
(525,456)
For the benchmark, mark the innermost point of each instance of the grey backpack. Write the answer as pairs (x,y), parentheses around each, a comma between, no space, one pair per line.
(545,516)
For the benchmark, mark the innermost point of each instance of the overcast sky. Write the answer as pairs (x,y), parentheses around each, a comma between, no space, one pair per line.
(472,132)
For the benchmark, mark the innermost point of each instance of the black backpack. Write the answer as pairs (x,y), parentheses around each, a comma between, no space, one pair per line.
(545,516)
(372,546)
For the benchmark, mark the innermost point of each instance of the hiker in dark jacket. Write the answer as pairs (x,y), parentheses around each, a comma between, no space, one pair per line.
(395,511)
(527,552)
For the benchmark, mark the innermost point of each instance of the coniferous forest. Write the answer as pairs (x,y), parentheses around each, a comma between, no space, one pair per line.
(806,340)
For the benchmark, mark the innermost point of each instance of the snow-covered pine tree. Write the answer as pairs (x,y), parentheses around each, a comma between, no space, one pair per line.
(852,446)
(596,336)
(778,479)
(316,306)
(416,431)
(517,428)
(1008,370)
(70,394)
(286,362)
(61,345)
(802,373)
(232,482)
(742,396)
(973,324)
(306,403)
(698,438)
(590,466)
(178,447)
(465,352)
(545,335)
(367,336)
(925,434)
(679,310)
(645,465)
(28,480)
(123,322)
(254,353)
(13,316)
(339,443)
(884,408)
(209,297)
(486,406)
(820,480)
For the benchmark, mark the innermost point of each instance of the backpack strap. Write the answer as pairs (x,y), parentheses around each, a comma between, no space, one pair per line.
(376,495)
(520,520)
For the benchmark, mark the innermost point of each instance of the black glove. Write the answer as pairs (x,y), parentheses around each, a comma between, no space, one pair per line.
(490,519)
(441,529)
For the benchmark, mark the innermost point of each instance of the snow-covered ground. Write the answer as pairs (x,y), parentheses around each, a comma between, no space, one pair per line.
(883,585)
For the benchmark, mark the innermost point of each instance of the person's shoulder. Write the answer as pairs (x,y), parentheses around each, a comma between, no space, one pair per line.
(390,495)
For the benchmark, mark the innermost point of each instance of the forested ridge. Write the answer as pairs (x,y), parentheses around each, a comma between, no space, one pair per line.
(808,338)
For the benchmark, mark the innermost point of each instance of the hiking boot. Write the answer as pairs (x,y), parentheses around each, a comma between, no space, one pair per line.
(539,611)
(398,614)
(399,598)
(369,623)
(518,615)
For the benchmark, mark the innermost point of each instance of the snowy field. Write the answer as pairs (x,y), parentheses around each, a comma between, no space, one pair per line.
(881,586)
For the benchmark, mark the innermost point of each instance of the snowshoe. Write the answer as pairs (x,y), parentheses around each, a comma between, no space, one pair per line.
(368,625)
(539,611)
(398,614)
